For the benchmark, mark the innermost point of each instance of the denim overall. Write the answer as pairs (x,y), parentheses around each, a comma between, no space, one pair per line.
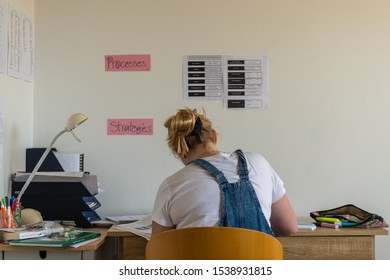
(240,205)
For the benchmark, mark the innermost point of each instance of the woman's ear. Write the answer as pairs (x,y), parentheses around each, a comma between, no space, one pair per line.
(215,136)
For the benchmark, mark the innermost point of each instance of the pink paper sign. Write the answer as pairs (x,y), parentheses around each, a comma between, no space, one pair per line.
(130,62)
(130,127)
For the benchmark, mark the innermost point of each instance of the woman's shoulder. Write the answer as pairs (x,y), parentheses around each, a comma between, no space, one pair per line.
(256,159)
(254,156)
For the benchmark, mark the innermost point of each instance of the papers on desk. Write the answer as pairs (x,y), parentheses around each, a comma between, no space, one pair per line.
(125,219)
(141,227)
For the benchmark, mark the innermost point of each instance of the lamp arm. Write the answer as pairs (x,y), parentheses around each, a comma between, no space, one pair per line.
(43,157)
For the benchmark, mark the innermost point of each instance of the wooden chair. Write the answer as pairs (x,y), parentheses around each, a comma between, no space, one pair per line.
(213,243)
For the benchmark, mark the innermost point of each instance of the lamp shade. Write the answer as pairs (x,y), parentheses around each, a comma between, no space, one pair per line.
(75,120)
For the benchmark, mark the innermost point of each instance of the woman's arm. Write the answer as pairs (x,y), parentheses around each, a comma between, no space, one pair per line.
(283,219)
(157,228)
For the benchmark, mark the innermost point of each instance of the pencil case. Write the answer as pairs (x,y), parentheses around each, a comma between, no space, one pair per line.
(352,216)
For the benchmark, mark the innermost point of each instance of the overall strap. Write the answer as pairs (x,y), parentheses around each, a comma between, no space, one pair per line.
(213,170)
(242,165)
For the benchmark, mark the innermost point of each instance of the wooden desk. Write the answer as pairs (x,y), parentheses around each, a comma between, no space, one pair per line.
(103,248)
(319,244)
(331,244)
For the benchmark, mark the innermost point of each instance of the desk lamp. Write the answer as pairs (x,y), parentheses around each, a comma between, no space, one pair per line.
(74,121)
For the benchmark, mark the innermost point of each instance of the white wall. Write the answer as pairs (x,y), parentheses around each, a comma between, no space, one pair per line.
(326,131)
(17,106)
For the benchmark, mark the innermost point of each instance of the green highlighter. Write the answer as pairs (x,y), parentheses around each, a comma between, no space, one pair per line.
(328,219)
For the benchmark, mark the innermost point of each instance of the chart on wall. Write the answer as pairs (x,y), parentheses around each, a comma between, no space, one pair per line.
(240,81)
(202,77)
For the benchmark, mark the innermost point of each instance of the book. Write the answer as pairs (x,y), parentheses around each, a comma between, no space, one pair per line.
(125,219)
(38,230)
(55,240)
(7,234)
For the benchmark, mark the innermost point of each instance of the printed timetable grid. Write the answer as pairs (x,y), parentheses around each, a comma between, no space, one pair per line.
(245,85)
(203,77)
(240,81)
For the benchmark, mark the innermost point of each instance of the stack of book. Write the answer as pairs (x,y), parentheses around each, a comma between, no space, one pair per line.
(57,240)
(9,234)
(54,235)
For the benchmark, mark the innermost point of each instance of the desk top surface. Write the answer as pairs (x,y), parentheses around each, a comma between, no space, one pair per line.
(319,231)
(87,247)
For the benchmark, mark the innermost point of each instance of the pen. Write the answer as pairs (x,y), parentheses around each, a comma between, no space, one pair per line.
(328,220)
(4,215)
(348,224)
(8,208)
(327,225)
(14,202)
(11,217)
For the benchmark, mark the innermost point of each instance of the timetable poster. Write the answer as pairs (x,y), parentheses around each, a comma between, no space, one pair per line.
(245,82)
(202,77)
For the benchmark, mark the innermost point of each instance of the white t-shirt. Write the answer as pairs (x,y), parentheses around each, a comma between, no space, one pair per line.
(191,196)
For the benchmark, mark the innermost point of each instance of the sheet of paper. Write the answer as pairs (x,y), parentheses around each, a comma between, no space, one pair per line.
(3,36)
(245,82)
(240,81)
(70,162)
(202,77)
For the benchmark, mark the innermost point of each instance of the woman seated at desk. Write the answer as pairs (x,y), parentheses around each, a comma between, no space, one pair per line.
(192,196)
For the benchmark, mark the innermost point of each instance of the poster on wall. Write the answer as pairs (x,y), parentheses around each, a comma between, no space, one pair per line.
(1,133)
(202,77)
(129,126)
(14,43)
(20,53)
(245,82)
(240,81)
(127,62)
(27,52)
(3,36)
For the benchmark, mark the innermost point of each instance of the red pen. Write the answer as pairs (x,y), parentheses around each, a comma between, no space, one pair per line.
(14,201)
(12,219)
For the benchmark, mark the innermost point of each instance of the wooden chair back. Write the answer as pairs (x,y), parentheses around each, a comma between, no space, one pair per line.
(213,243)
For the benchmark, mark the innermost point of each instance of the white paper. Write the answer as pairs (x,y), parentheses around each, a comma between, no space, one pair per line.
(202,77)
(14,43)
(245,82)
(1,132)
(27,52)
(125,218)
(3,36)
(142,227)
(70,162)
(20,58)
(240,81)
